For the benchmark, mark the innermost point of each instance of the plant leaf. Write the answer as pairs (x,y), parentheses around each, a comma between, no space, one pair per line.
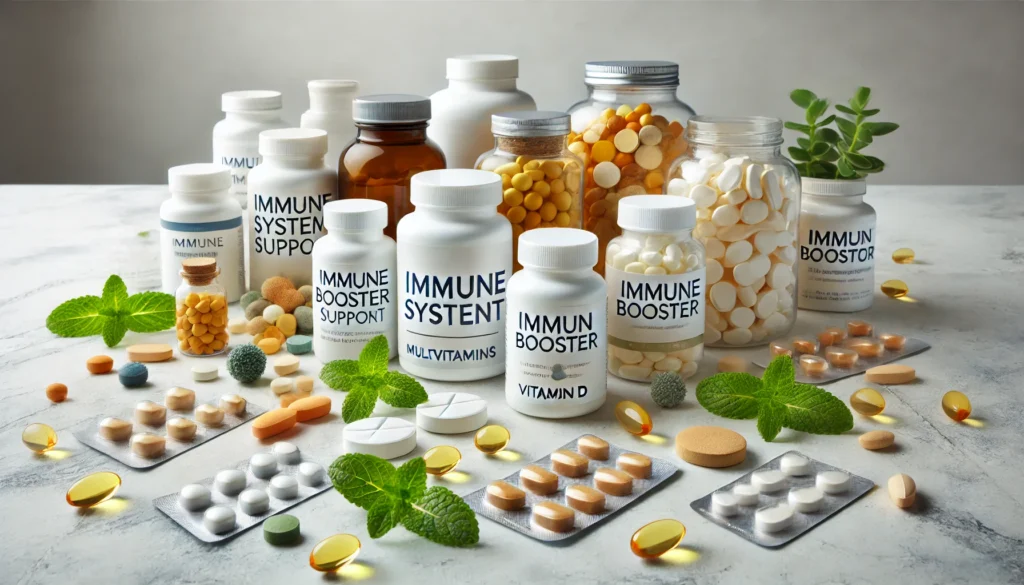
(860,98)
(844,168)
(410,481)
(384,515)
(373,359)
(359,403)
(798,154)
(858,161)
(845,110)
(802,97)
(831,118)
(115,296)
(341,374)
(804,143)
(444,518)
(869,113)
(798,127)
(815,110)
(79,317)
(847,127)
(401,390)
(876,163)
(148,312)
(361,478)
(881,128)
(810,409)
(114,330)
(779,375)
(827,135)
(819,149)
(771,414)
(729,395)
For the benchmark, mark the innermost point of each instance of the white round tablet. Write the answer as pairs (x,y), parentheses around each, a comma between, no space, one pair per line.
(253,502)
(286,453)
(832,482)
(806,500)
(205,372)
(724,504)
(263,465)
(793,464)
(219,519)
(194,497)
(769,481)
(310,473)
(229,482)
(452,412)
(385,437)
(284,487)
(774,519)
(746,494)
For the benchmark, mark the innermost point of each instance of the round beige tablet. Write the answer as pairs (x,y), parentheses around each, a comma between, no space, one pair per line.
(732,363)
(286,364)
(150,352)
(304,385)
(209,415)
(115,429)
(873,440)
(150,413)
(180,399)
(148,445)
(181,429)
(711,446)
(232,403)
(891,374)
(281,386)
(902,490)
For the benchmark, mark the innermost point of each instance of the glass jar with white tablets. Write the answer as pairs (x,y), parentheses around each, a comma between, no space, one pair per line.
(747,196)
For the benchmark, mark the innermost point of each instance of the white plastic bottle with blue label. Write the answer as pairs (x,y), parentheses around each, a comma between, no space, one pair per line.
(454,262)
(556,336)
(201,220)
(354,275)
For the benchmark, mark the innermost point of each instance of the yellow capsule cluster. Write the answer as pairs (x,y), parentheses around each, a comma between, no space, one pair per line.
(202,324)
(540,193)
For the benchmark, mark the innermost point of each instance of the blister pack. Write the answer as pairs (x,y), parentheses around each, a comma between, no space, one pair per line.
(829,368)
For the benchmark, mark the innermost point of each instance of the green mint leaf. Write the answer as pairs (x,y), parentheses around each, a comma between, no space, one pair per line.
(359,403)
(729,395)
(401,390)
(443,517)
(798,127)
(384,515)
(845,110)
(798,154)
(813,410)
(802,97)
(881,128)
(373,360)
(815,110)
(779,374)
(770,418)
(827,135)
(341,374)
(79,317)
(410,481)
(148,312)
(860,98)
(362,479)
(114,330)
(115,296)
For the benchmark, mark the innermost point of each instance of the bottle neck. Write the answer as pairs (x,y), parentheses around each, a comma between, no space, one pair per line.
(333,103)
(679,236)
(546,146)
(201,198)
(294,162)
(392,133)
(633,94)
(357,236)
(259,116)
(483,84)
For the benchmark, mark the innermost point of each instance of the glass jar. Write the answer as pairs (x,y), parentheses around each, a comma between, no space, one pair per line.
(655,275)
(390,147)
(202,309)
(748,202)
(628,131)
(540,178)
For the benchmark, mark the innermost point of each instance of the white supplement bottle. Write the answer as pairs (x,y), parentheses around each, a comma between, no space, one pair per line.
(557,326)
(454,262)
(656,280)
(287,194)
(478,86)
(330,109)
(353,281)
(236,137)
(836,267)
(201,220)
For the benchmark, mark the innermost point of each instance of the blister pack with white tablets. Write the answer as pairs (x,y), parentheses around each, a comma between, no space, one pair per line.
(782,499)
(237,498)
(620,470)
(165,426)
(828,365)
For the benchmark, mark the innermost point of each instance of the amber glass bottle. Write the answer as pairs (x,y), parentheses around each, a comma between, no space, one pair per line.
(391,146)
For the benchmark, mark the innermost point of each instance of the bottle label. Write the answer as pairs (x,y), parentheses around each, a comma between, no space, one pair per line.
(282,231)
(218,239)
(658,313)
(351,307)
(837,263)
(240,158)
(556,360)
(452,307)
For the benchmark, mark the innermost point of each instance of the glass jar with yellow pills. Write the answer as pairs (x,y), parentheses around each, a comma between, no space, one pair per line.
(540,178)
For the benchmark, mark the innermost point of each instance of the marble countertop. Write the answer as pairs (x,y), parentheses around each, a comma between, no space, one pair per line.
(59,242)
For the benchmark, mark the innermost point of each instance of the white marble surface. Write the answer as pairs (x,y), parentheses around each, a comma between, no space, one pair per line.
(968,525)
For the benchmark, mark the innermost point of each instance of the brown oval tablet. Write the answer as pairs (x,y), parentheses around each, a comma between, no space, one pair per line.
(115,429)
(635,464)
(613,482)
(180,399)
(505,496)
(57,392)
(569,464)
(585,499)
(554,517)
(311,407)
(181,429)
(711,446)
(891,374)
(150,352)
(99,364)
(732,363)
(150,413)
(148,445)
(902,490)
(538,480)
(209,415)
(232,403)
(273,423)
(873,440)
(593,447)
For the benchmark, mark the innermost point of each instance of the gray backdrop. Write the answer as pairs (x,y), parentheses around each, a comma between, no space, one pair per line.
(116,92)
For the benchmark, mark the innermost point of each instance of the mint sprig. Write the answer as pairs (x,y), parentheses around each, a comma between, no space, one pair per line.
(113,314)
(400,496)
(368,379)
(776,401)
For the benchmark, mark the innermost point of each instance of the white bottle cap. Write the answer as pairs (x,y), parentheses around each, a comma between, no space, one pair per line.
(304,142)
(253,100)
(199,178)
(356,215)
(657,213)
(468,67)
(331,94)
(832,187)
(455,188)
(558,249)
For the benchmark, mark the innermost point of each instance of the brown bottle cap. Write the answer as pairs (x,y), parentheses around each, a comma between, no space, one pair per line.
(199,266)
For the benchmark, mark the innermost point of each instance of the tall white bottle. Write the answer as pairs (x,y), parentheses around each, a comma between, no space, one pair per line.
(236,137)
(330,109)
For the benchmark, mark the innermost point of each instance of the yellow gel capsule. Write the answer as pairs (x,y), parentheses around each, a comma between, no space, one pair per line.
(657,538)
(39,437)
(633,418)
(895,288)
(867,401)
(903,256)
(491,439)
(956,405)
(93,489)
(334,552)
(441,460)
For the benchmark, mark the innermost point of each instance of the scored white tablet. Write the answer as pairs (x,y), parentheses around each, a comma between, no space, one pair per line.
(451,413)
(386,437)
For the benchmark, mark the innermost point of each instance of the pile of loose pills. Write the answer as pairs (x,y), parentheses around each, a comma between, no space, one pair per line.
(276,313)
(202,321)
(537,192)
